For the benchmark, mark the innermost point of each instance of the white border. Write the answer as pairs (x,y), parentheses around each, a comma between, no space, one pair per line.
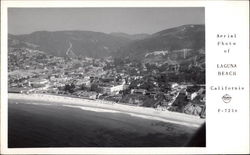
(220,17)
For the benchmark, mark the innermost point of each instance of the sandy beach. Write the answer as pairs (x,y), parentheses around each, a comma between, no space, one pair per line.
(106,106)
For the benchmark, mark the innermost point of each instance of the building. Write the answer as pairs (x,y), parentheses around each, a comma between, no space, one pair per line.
(138,91)
(174,85)
(193,95)
(114,89)
(36,83)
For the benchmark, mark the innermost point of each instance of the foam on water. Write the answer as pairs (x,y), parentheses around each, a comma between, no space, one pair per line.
(132,114)
(104,110)
(163,120)
(33,103)
(92,109)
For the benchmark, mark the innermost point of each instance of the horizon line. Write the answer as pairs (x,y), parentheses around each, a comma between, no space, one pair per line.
(100,31)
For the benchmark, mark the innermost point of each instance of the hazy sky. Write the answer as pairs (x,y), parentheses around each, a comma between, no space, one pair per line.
(127,20)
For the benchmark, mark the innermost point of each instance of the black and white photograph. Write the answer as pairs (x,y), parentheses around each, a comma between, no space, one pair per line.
(106,77)
(124,77)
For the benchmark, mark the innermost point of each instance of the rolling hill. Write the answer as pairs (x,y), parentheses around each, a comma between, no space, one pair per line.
(174,41)
(85,43)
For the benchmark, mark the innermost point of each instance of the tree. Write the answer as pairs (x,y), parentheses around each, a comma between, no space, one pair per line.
(83,87)
(147,85)
(69,88)
(134,84)
(95,87)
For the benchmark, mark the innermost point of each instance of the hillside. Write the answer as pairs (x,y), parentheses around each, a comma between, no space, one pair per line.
(131,36)
(179,44)
(85,43)
(174,39)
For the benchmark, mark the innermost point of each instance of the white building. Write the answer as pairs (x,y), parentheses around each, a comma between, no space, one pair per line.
(193,95)
(114,89)
(174,85)
(36,83)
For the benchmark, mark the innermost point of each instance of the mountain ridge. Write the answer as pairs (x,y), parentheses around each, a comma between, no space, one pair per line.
(116,44)
(182,37)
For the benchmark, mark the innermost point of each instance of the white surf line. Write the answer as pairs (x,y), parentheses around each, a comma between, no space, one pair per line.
(92,109)
(100,110)
(114,108)
(165,120)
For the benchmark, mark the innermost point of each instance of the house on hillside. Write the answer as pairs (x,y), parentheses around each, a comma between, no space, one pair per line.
(138,91)
(174,85)
(193,109)
(193,95)
(197,106)
(37,82)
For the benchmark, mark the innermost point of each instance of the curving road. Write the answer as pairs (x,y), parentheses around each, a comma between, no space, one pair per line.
(69,49)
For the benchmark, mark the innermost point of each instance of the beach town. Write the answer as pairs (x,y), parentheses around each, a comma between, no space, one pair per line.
(115,81)
(78,86)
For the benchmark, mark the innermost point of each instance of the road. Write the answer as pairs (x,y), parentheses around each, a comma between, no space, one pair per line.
(69,49)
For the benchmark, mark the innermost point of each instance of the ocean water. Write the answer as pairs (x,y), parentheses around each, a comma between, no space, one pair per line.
(45,125)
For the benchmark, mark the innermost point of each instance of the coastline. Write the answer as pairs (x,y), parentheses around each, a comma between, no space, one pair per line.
(107,106)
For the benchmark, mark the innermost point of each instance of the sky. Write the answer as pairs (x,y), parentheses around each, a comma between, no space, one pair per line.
(107,20)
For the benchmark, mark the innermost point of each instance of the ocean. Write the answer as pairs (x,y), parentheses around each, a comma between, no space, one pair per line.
(46,125)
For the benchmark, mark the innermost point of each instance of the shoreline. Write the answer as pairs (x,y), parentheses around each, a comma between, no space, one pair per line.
(107,106)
